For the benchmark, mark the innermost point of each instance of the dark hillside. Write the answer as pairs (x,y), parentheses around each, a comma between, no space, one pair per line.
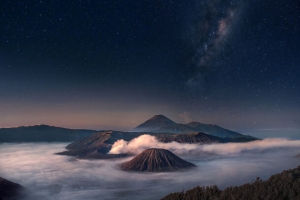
(10,190)
(42,133)
(285,185)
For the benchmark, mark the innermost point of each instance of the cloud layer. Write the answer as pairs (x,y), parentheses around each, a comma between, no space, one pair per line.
(144,142)
(48,176)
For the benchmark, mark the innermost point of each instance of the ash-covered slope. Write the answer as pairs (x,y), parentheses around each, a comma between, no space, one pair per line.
(10,190)
(156,160)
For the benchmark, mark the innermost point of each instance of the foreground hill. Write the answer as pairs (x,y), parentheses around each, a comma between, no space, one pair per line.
(162,124)
(42,133)
(285,185)
(156,160)
(99,144)
(10,190)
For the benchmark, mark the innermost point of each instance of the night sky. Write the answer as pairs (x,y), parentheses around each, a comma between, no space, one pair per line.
(114,64)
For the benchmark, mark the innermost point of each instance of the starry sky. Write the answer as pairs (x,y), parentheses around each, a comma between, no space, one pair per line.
(114,64)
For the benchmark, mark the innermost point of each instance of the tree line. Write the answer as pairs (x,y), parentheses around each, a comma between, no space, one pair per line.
(285,185)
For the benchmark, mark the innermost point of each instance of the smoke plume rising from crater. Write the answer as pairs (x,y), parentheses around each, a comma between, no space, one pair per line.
(143,142)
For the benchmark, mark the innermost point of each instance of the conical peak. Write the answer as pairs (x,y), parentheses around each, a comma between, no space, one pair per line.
(154,124)
(155,160)
(159,117)
(160,120)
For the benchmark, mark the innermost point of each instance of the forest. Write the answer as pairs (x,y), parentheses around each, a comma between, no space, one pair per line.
(285,185)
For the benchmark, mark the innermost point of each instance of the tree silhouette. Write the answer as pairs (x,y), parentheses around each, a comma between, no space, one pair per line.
(285,185)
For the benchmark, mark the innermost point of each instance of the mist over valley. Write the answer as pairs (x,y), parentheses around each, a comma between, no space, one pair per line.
(50,176)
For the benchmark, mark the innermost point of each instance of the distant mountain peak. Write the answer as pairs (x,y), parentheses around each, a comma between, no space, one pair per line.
(154,124)
(162,124)
(159,117)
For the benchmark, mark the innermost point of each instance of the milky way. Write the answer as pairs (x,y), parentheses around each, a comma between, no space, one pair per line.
(213,26)
(112,64)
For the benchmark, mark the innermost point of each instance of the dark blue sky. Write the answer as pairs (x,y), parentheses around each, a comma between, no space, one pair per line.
(113,64)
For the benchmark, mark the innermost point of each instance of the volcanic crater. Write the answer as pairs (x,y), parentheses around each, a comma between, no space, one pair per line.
(156,160)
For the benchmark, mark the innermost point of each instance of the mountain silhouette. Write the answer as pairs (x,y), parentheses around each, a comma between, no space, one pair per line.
(10,190)
(162,124)
(155,124)
(190,138)
(213,130)
(42,133)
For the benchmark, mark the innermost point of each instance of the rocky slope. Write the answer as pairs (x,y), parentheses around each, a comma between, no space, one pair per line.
(156,160)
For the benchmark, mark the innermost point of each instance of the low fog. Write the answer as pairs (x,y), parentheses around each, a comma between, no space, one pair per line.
(50,176)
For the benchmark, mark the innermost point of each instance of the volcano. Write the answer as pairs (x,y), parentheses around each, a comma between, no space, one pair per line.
(156,160)
(162,124)
(157,123)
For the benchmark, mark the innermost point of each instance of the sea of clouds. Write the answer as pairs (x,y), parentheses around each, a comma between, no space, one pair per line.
(50,176)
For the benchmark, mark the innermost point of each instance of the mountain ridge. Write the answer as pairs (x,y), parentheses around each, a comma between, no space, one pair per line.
(99,144)
(42,133)
(161,124)
(157,124)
